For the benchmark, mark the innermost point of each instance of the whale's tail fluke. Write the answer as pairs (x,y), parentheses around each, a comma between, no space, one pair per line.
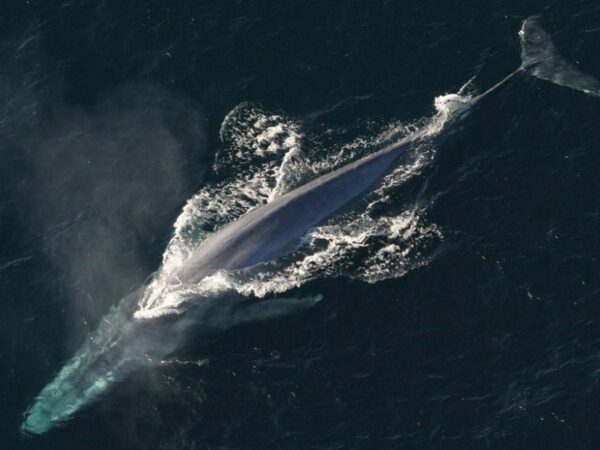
(541,59)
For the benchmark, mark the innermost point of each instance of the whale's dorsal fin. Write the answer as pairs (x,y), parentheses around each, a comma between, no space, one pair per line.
(541,59)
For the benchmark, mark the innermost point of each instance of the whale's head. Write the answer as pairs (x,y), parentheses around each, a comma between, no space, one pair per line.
(120,345)
(123,343)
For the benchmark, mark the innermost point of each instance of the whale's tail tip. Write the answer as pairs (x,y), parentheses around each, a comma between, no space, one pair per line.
(541,59)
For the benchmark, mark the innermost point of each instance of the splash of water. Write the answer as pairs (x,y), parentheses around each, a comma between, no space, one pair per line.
(270,148)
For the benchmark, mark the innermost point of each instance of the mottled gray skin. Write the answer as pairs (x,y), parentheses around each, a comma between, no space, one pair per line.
(271,230)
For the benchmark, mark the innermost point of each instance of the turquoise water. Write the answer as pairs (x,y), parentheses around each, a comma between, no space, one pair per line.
(458,303)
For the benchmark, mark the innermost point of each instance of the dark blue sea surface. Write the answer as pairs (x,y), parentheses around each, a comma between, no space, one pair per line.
(485,336)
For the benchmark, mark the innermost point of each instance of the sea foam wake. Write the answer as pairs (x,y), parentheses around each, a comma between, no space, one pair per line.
(264,155)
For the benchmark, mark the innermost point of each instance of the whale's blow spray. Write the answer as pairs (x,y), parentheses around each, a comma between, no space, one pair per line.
(152,322)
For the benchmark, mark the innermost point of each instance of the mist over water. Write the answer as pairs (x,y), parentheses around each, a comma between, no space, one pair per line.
(453,307)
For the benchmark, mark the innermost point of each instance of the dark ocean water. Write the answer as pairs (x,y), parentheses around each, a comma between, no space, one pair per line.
(110,115)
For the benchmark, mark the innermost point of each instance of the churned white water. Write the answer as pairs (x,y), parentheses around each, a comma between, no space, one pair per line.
(266,156)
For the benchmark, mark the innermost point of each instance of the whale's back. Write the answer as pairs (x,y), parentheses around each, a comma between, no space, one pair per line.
(271,230)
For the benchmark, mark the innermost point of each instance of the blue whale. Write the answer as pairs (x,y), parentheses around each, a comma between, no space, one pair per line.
(122,343)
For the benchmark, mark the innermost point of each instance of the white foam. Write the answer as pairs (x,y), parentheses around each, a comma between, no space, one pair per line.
(265,152)
(249,134)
